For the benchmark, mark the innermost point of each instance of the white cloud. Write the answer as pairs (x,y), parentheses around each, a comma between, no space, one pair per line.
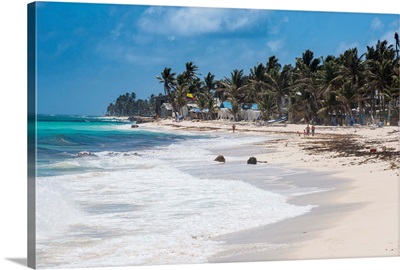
(238,23)
(275,28)
(195,21)
(387,34)
(376,24)
(186,22)
(126,54)
(116,32)
(275,45)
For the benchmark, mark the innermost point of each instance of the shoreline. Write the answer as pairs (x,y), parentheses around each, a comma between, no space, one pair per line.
(289,235)
(358,218)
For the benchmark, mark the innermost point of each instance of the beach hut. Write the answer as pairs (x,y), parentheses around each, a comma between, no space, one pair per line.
(225,104)
(190,108)
(250,115)
(225,114)
(195,113)
(250,112)
(166,110)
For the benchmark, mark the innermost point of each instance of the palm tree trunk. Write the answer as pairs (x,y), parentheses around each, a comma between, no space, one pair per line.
(381,106)
(175,110)
(361,112)
(278,105)
(336,116)
(374,105)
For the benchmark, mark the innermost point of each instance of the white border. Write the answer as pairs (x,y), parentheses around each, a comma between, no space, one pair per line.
(13,129)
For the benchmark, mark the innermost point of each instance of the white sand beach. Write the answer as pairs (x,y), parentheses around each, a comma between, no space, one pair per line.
(359,215)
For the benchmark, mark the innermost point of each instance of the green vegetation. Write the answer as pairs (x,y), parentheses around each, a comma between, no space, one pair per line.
(350,87)
(127,105)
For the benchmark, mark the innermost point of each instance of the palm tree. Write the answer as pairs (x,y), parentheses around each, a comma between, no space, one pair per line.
(305,83)
(190,71)
(353,70)
(189,77)
(180,97)
(124,105)
(272,64)
(348,95)
(278,82)
(299,107)
(235,90)
(257,82)
(317,88)
(381,65)
(209,83)
(382,80)
(396,38)
(201,102)
(328,81)
(268,86)
(266,104)
(208,90)
(168,80)
(194,86)
(307,63)
(111,109)
(210,105)
(395,89)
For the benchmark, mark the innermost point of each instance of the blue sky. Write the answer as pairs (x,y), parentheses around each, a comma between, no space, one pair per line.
(89,54)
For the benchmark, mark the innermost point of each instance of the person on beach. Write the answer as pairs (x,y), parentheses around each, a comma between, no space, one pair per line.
(304,131)
(308,130)
(312,130)
(233,128)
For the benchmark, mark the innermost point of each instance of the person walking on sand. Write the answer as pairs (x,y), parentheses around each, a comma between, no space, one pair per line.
(233,128)
(312,130)
(308,130)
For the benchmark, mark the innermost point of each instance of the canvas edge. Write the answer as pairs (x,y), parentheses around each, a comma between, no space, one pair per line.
(31,136)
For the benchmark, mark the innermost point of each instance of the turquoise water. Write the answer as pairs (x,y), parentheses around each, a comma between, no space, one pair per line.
(65,137)
(111,195)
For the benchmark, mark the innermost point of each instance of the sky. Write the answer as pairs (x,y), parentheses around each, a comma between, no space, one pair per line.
(89,54)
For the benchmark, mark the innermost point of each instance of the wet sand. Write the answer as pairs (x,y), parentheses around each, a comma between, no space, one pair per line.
(358,215)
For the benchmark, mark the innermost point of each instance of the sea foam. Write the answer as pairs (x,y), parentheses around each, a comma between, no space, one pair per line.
(160,205)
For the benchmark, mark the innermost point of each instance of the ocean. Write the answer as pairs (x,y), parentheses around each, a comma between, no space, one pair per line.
(112,195)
